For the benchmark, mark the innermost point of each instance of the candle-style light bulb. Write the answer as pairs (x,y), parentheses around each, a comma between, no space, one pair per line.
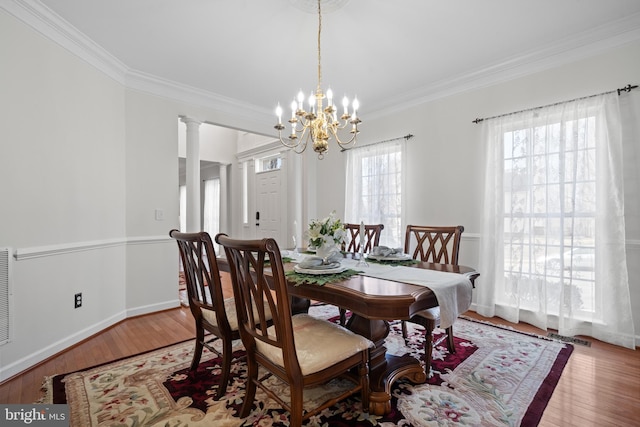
(311,102)
(300,100)
(345,104)
(294,106)
(279,113)
(356,105)
(329,97)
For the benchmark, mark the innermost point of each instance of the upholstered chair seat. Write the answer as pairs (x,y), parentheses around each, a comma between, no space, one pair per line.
(319,344)
(232,317)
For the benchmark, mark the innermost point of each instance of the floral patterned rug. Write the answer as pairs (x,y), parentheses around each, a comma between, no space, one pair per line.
(497,377)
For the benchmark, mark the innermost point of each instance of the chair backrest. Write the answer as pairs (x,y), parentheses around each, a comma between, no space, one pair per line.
(436,244)
(252,287)
(204,288)
(371,238)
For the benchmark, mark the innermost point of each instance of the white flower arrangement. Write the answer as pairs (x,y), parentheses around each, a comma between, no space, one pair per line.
(329,231)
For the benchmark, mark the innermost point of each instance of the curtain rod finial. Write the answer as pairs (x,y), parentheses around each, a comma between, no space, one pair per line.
(627,88)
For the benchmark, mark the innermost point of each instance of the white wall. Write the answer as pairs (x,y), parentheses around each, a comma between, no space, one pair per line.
(85,163)
(62,169)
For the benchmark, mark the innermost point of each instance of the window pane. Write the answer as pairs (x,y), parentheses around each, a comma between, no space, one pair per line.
(549,216)
(374,188)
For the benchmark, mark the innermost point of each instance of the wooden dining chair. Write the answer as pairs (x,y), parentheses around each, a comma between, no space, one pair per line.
(300,350)
(440,245)
(372,238)
(215,317)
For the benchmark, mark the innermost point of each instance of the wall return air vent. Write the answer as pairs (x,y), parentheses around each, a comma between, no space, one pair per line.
(5,295)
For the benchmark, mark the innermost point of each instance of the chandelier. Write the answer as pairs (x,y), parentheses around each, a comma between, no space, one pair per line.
(319,124)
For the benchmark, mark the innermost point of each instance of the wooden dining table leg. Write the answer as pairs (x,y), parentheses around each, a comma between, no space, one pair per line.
(384,369)
(299,304)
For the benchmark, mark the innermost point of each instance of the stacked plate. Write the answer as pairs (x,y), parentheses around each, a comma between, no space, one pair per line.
(331,268)
(390,257)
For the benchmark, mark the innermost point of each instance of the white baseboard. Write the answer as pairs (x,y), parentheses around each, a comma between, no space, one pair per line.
(33,359)
(152,308)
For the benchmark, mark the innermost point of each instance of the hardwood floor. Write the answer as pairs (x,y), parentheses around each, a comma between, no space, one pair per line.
(600,385)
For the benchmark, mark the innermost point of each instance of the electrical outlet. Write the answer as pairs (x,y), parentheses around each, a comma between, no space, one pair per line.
(77,300)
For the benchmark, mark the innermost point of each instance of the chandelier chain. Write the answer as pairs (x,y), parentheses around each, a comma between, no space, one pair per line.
(319,57)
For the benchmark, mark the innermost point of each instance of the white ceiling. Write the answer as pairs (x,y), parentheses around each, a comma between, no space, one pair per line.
(260,52)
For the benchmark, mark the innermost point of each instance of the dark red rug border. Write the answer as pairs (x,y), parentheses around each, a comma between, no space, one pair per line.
(534,413)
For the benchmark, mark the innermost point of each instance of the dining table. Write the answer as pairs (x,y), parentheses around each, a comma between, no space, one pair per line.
(374,300)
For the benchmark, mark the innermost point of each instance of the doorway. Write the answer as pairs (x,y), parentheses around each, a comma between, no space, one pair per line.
(271,199)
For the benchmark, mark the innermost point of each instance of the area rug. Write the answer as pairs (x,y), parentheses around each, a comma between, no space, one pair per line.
(496,377)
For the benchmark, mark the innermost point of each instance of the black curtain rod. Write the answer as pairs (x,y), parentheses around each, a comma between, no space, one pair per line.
(627,88)
(407,137)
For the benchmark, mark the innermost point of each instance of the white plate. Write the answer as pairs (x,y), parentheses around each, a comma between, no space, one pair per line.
(316,270)
(392,257)
(329,266)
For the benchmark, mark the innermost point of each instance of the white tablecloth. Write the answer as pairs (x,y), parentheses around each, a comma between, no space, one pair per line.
(452,290)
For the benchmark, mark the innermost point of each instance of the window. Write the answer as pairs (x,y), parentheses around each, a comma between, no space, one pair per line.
(245,193)
(552,248)
(183,208)
(211,214)
(550,215)
(374,188)
(269,163)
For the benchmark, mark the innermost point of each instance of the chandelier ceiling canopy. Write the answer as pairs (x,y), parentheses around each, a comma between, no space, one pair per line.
(320,123)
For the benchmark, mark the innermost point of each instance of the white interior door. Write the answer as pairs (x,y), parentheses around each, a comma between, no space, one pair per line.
(270,206)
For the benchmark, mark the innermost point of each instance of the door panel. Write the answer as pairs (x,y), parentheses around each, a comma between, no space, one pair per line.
(268,205)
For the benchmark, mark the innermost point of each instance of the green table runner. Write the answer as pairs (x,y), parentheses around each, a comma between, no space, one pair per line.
(403,262)
(319,279)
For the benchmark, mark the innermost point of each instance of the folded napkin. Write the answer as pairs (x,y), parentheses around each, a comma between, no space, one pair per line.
(316,261)
(385,251)
(310,262)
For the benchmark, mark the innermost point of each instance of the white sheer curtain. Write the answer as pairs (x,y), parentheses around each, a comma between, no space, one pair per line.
(211,215)
(374,188)
(553,239)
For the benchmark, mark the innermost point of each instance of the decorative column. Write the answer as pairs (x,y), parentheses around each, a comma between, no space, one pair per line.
(194,208)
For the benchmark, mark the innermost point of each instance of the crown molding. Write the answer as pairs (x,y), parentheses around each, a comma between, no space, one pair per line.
(561,52)
(158,86)
(571,49)
(40,18)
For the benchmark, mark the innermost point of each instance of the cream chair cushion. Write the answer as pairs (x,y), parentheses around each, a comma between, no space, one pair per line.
(430,313)
(319,344)
(232,316)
